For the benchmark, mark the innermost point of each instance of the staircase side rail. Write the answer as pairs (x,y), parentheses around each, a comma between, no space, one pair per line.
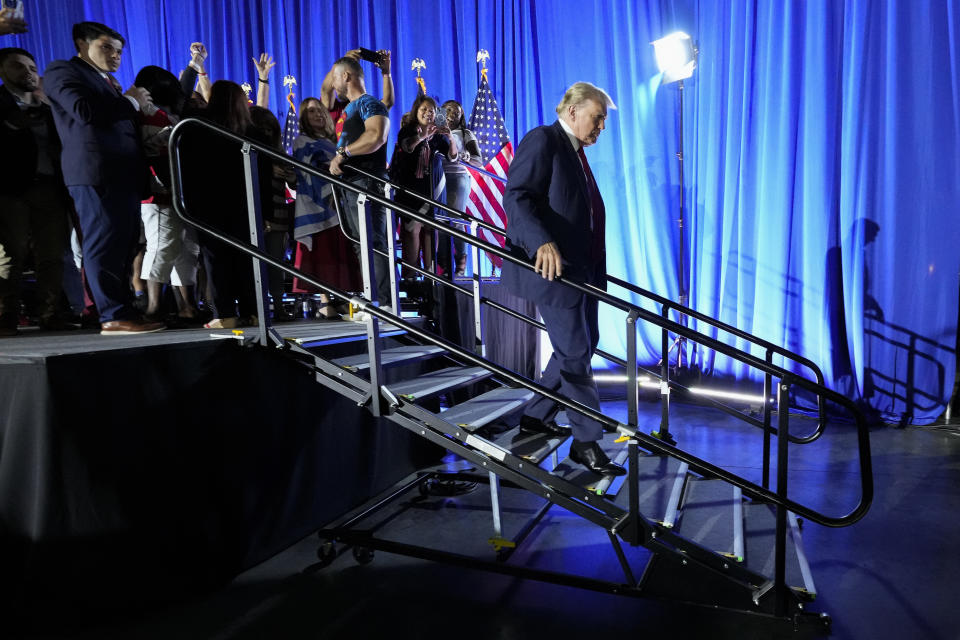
(649,442)
(666,303)
(743,335)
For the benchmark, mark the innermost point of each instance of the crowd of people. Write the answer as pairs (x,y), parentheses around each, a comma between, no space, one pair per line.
(85,190)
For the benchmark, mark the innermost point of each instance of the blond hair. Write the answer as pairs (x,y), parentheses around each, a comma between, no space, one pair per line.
(580,92)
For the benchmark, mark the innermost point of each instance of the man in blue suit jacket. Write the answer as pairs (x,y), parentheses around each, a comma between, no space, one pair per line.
(103,166)
(556,217)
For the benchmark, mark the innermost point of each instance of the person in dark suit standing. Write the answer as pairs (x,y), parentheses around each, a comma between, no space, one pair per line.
(103,166)
(556,217)
(33,200)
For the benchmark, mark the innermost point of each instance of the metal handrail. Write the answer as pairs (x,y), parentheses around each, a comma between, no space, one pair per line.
(634,312)
(666,304)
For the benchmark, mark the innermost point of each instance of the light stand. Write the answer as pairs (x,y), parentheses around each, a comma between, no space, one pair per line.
(677,58)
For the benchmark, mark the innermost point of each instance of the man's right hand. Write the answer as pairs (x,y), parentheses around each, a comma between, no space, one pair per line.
(549,264)
(9,24)
(141,95)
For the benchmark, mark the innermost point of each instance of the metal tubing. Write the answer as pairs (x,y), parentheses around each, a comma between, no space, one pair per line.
(392,257)
(255,222)
(633,393)
(370,293)
(650,443)
(478,338)
(495,504)
(767,387)
(780,550)
(623,560)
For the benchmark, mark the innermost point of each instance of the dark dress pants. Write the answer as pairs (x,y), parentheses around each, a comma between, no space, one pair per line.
(110,224)
(574,334)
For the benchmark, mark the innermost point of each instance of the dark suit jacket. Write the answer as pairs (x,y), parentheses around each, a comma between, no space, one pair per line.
(97,126)
(546,200)
(18,160)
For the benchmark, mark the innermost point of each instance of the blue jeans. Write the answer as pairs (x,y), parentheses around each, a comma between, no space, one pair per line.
(378,216)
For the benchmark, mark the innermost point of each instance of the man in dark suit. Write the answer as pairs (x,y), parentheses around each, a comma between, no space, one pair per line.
(33,200)
(555,216)
(103,166)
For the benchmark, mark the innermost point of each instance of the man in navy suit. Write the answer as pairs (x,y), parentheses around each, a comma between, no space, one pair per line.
(556,217)
(103,166)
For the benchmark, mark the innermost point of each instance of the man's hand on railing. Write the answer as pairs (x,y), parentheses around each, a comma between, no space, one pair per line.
(549,264)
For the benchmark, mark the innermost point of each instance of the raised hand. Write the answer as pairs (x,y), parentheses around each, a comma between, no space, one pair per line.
(264,65)
(198,53)
(9,24)
(384,63)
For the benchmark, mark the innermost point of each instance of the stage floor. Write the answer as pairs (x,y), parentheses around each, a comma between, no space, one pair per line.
(32,345)
(889,577)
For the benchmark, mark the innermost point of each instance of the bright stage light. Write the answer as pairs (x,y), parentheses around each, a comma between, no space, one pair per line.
(645,381)
(676,57)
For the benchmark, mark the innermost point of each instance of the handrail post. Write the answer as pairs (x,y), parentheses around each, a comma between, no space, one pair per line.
(392,251)
(633,418)
(767,389)
(370,293)
(664,432)
(479,346)
(255,222)
(780,549)
(633,394)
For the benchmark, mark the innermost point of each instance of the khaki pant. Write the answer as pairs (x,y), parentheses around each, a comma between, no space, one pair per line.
(36,219)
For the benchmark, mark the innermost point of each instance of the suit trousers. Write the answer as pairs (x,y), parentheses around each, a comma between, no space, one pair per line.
(110,225)
(574,334)
(38,217)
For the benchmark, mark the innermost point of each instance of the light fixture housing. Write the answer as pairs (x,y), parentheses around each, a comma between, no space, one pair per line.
(676,56)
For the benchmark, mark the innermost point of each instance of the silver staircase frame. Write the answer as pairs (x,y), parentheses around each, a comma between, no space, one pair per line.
(772,598)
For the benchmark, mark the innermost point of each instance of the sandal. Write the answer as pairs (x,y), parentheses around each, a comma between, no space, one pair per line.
(222,323)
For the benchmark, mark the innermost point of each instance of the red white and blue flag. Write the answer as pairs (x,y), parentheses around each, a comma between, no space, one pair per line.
(486,193)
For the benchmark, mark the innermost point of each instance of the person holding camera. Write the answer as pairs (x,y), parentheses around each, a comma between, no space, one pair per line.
(417,167)
(103,166)
(458,178)
(362,144)
(335,102)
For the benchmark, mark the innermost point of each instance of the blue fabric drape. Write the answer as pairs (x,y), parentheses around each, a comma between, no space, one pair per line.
(821,137)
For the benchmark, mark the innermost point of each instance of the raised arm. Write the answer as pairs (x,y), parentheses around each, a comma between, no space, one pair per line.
(384,65)
(327,92)
(264,66)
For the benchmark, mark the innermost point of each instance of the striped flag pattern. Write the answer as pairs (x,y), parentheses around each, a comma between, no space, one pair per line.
(486,193)
(291,128)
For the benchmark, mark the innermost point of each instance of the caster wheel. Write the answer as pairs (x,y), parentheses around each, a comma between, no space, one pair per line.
(327,553)
(424,488)
(363,555)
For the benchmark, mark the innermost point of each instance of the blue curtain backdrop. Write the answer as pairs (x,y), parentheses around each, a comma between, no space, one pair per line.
(821,137)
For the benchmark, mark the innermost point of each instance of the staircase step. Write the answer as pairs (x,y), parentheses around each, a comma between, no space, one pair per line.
(435,382)
(534,447)
(707,515)
(656,478)
(760,524)
(311,336)
(487,407)
(592,482)
(388,357)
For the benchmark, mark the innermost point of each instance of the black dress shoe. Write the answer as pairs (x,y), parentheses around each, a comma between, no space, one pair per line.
(590,455)
(532,425)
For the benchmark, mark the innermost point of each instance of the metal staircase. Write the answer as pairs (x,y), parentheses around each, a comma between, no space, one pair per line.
(717,539)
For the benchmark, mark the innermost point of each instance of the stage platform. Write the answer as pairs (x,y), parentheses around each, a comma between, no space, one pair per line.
(135,467)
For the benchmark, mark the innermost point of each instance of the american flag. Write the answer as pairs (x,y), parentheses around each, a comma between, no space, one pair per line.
(291,129)
(486,193)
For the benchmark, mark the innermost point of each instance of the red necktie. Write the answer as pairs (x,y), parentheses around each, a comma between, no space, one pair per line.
(113,83)
(598,215)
